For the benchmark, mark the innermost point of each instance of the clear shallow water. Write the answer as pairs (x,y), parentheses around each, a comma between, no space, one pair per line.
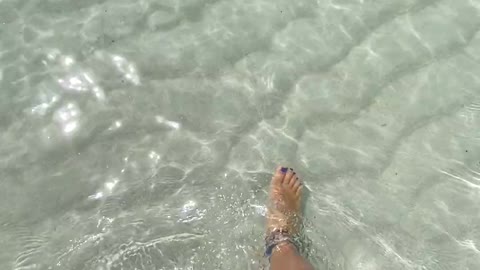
(142,135)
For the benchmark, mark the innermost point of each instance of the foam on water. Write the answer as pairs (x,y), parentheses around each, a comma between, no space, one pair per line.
(142,134)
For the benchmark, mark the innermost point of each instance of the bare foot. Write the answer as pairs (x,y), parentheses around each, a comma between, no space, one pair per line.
(284,208)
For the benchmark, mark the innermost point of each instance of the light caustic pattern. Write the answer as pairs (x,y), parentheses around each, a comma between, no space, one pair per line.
(142,134)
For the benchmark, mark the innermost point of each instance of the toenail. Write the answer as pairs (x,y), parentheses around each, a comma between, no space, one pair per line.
(284,170)
(291,169)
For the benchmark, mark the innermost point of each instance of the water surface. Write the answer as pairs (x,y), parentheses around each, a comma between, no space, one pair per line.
(142,134)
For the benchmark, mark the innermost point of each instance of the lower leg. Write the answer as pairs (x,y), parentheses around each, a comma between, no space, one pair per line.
(286,257)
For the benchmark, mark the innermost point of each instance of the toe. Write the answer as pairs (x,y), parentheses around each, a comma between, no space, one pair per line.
(289,177)
(294,180)
(278,176)
(296,185)
(299,190)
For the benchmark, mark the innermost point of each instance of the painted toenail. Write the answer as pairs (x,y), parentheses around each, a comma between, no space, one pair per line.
(284,170)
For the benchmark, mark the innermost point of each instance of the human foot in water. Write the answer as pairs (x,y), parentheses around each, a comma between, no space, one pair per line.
(284,207)
(284,222)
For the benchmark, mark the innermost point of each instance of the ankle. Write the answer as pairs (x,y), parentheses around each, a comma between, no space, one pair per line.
(284,248)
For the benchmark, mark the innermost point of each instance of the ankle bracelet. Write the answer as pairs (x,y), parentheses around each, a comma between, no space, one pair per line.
(275,238)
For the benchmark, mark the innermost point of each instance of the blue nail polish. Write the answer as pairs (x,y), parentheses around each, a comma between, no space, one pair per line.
(284,170)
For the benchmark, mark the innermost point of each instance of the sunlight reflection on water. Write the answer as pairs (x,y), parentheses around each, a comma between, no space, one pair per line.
(142,135)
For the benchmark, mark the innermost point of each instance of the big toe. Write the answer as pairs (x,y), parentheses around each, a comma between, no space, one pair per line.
(278,176)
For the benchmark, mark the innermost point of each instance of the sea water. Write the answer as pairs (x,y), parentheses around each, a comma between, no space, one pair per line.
(142,134)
